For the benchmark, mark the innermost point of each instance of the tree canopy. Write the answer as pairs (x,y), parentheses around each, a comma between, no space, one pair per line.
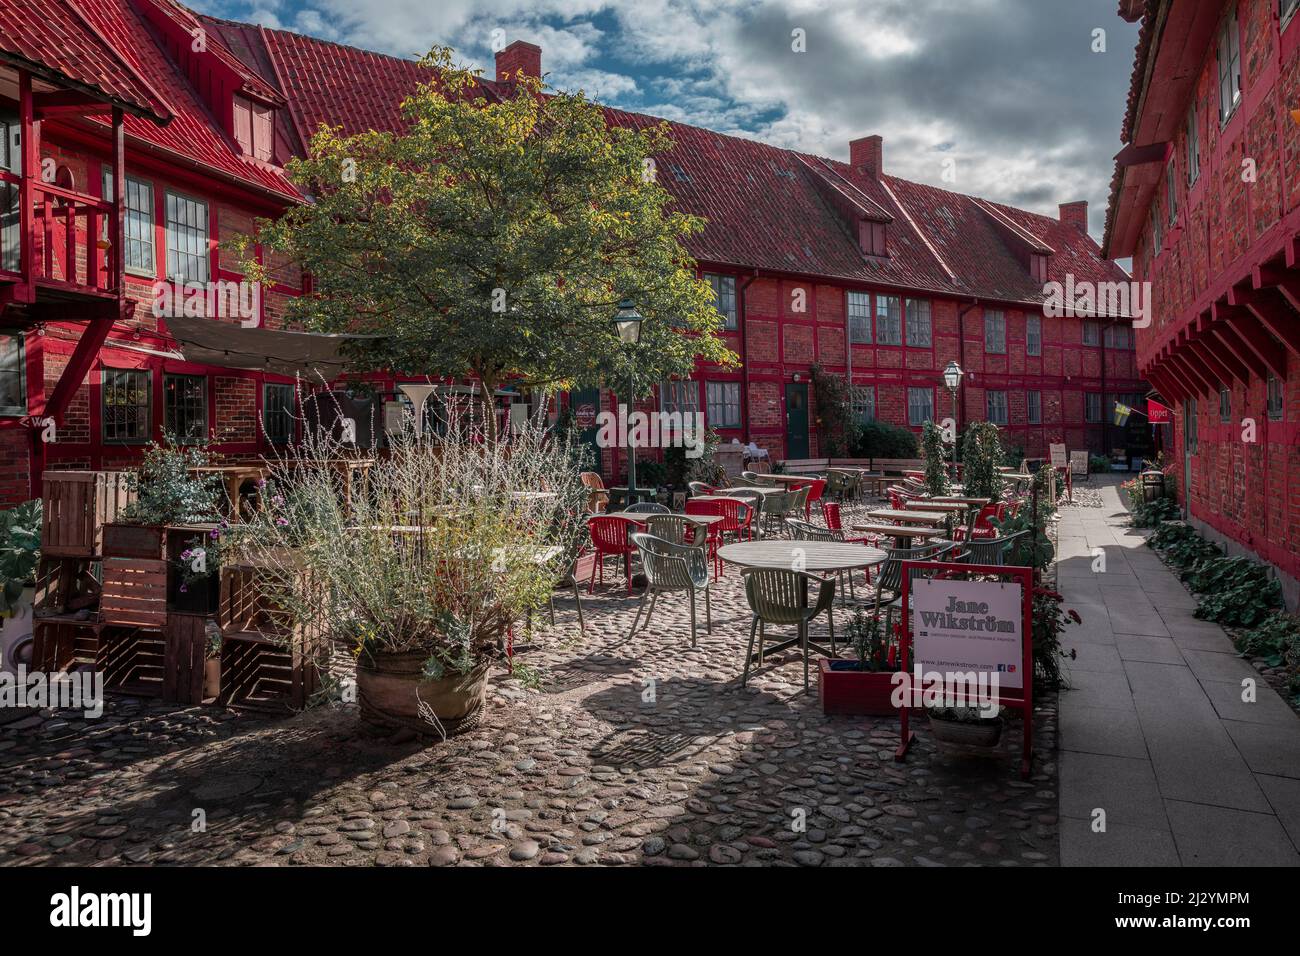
(494,237)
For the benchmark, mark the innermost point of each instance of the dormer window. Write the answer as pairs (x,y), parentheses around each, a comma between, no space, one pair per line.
(254,130)
(873,237)
(1038,266)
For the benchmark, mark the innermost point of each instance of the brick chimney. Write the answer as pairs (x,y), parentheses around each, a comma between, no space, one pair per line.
(519,56)
(868,155)
(1075,214)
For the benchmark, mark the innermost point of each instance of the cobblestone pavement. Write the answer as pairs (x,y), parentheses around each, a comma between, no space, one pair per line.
(595,765)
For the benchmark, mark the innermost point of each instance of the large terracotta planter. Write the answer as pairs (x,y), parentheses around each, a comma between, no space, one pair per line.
(211,678)
(391,687)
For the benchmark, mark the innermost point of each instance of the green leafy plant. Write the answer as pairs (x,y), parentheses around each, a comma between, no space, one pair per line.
(837,428)
(167,492)
(1149,514)
(869,642)
(1098,463)
(878,439)
(706,467)
(981,453)
(936,468)
(1273,639)
(20,550)
(1235,591)
(1049,621)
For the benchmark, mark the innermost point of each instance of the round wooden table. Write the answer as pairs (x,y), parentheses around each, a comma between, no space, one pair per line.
(904,535)
(902,516)
(813,556)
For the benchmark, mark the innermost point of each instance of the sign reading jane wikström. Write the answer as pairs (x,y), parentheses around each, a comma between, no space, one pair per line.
(963,626)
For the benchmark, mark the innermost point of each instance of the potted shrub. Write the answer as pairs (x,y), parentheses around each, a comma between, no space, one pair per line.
(981,453)
(860,687)
(20,554)
(167,493)
(427,571)
(965,725)
(936,468)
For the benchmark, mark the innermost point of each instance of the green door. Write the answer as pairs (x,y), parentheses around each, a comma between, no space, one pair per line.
(796,420)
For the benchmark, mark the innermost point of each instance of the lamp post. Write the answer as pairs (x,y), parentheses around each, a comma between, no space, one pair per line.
(418,395)
(627,322)
(952,374)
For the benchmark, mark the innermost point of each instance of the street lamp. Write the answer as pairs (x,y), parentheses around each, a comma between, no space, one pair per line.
(952,374)
(627,322)
(418,395)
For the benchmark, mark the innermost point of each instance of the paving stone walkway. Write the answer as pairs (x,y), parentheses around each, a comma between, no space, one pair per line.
(1154,730)
(643,751)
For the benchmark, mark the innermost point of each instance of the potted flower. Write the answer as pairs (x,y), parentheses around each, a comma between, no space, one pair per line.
(427,572)
(965,725)
(860,687)
(168,492)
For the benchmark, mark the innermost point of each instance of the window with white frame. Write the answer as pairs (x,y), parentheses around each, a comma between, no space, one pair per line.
(1092,406)
(1275,408)
(1229,58)
(137,226)
(889,320)
(723,404)
(1171,191)
(995,406)
(995,331)
(920,406)
(1194,145)
(1034,408)
(862,398)
(1225,405)
(13,379)
(1091,332)
(682,396)
(187,239)
(1033,335)
(859,307)
(919,333)
(724,297)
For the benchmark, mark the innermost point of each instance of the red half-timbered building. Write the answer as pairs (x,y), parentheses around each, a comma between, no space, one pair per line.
(1206,201)
(815,262)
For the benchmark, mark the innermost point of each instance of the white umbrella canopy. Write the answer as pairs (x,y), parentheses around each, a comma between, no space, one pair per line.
(210,342)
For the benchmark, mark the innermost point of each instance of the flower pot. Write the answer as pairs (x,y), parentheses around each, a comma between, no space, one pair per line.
(983,733)
(211,678)
(391,687)
(843,688)
(148,541)
(200,596)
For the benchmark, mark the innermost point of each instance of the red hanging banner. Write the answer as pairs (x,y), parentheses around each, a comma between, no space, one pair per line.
(1158,414)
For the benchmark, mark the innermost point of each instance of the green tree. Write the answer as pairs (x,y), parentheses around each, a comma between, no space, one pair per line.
(936,468)
(494,237)
(981,452)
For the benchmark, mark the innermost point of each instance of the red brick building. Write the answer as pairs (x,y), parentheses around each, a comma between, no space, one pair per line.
(1206,200)
(816,262)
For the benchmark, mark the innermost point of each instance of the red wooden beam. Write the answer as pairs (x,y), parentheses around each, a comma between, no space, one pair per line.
(1166,385)
(1134,155)
(83,357)
(1254,335)
(1198,347)
(117,218)
(31,160)
(1202,368)
(1270,307)
(1188,375)
(1226,358)
(1233,342)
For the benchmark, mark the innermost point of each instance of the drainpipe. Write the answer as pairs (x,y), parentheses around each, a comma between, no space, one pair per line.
(741,317)
(1105,419)
(961,360)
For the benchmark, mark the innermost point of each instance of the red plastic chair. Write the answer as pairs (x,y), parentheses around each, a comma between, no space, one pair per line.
(816,488)
(982,528)
(737,518)
(713,538)
(831,515)
(609,536)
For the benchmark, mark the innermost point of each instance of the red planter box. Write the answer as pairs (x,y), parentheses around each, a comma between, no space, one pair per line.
(843,689)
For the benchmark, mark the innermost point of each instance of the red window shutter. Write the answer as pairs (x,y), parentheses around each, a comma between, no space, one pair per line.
(263,132)
(244,124)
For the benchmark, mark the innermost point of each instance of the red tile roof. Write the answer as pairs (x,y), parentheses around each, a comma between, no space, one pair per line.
(54,38)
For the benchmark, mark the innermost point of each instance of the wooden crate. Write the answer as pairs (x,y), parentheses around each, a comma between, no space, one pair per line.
(132,660)
(61,582)
(75,507)
(183,658)
(134,593)
(248,603)
(148,541)
(265,673)
(60,645)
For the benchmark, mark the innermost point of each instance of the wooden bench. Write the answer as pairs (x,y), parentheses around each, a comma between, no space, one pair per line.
(805,466)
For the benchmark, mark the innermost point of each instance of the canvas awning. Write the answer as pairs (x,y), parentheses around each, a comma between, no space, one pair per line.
(207,341)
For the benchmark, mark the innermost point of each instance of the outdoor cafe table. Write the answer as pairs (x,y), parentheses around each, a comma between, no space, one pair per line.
(814,557)
(901,516)
(905,536)
(934,504)
(958,499)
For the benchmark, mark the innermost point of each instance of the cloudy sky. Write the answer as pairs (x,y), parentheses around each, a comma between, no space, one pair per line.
(1011,91)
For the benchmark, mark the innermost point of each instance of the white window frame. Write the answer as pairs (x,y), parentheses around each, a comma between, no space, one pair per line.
(857,306)
(1194,145)
(724,298)
(195,236)
(995,406)
(913,408)
(718,398)
(1034,335)
(138,232)
(995,332)
(1171,191)
(16,411)
(920,327)
(1034,407)
(889,320)
(1228,58)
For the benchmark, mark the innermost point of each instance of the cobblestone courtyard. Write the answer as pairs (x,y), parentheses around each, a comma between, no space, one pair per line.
(641,751)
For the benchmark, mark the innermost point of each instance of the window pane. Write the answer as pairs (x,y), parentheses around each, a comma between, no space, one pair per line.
(1091,333)
(723,404)
(920,405)
(683,396)
(1034,335)
(1034,407)
(860,317)
(995,331)
(1092,406)
(187,239)
(724,295)
(1275,410)
(126,405)
(889,320)
(918,323)
(13,393)
(185,407)
(864,403)
(278,413)
(996,404)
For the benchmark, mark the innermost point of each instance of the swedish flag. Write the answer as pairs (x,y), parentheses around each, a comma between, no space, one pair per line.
(1122,413)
